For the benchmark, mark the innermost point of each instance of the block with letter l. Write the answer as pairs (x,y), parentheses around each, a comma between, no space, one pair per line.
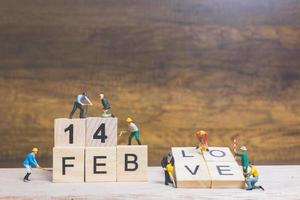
(190,168)
(69,132)
(101,132)
(100,164)
(68,164)
(132,163)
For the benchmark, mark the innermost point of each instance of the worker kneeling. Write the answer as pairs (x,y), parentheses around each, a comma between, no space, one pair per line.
(252,178)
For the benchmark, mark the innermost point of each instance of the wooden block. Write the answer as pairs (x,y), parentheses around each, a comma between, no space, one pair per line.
(69,132)
(68,164)
(101,132)
(226,175)
(219,154)
(190,168)
(100,164)
(132,163)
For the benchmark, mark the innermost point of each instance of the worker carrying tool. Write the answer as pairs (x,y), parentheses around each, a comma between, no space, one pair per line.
(244,159)
(202,137)
(79,103)
(134,131)
(30,162)
(167,164)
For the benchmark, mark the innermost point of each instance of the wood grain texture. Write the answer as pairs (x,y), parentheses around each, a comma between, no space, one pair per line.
(190,168)
(106,159)
(93,123)
(141,171)
(219,154)
(61,137)
(226,175)
(75,157)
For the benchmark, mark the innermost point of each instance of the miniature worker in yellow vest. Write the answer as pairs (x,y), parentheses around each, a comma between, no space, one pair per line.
(202,137)
(167,164)
(134,132)
(252,178)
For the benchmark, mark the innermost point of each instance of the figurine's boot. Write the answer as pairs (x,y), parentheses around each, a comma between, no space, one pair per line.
(26,177)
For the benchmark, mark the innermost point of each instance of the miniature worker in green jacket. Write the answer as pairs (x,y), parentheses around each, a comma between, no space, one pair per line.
(244,158)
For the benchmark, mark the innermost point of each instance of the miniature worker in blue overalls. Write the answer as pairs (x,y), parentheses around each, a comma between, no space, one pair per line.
(79,104)
(30,162)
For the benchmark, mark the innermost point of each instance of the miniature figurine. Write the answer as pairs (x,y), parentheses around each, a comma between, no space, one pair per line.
(250,181)
(134,131)
(79,104)
(167,164)
(244,158)
(29,162)
(106,107)
(202,137)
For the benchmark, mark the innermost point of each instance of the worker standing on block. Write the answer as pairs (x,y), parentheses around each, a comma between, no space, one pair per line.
(167,164)
(30,162)
(134,131)
(79,104)
(252,178)
(202,137)
(106,107)
(244,158)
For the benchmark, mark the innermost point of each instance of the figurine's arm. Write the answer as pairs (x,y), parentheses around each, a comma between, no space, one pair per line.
(88,100)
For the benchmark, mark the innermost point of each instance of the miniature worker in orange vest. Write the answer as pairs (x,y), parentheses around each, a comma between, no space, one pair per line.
(202,137)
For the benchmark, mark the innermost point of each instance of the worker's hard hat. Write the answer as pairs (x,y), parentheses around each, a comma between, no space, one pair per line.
(34,149)
(243,148)
(200,133)
(128,120)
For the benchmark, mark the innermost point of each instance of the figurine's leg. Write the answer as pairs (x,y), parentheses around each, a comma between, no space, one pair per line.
(137,137)
(130,138)
(73,110)
(167,178)
(82,111)
(28,169)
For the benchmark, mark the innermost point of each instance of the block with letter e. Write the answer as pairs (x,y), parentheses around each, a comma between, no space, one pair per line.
(68,164)
(101,132)
(132,163)
(69,132)
(190,167)
(226,175)
(100,164)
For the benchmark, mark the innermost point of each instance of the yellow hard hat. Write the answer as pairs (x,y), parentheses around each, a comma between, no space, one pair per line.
(34,149)
(200,133)
(128,120)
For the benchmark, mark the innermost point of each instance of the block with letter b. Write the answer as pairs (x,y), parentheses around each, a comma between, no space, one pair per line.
(68,164)
(226,175)
(132,163)
(101,132)
(69,132)
(100,164)
(190,167)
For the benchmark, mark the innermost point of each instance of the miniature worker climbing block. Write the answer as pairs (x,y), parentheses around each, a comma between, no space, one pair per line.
(216,166)
(101,132)
(69,132)
(68,164)
(100,164)
(190,168)
(132,162)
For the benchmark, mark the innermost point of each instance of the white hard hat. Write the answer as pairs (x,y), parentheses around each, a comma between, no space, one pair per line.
(243,148)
